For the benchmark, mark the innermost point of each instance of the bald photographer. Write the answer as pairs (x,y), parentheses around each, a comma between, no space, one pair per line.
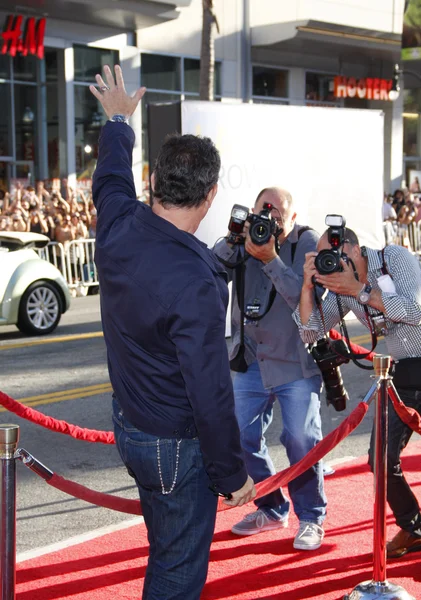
(264,255)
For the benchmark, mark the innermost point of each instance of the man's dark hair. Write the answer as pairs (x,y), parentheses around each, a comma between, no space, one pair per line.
(351,237)
(186,169)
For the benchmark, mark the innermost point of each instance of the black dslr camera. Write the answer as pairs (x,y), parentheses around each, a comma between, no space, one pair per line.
(262,226)
(329,261)
(329,355)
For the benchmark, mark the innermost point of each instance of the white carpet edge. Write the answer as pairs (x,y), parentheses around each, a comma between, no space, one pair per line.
(77,539)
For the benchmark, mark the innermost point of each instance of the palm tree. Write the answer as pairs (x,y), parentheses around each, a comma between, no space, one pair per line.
(207,55)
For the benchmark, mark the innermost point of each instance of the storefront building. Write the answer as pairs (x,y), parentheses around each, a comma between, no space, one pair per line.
(309,53)
(49,120)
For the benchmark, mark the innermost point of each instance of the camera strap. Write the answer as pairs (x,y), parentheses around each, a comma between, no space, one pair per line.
(295,244)
(272,294)
(238,363)
(344,330)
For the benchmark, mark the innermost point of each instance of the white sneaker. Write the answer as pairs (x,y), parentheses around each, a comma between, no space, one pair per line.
(256,522)
(309,536)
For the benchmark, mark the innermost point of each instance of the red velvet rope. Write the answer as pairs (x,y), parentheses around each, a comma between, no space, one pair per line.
(79,433)
(105,500)
(28,413)
(408,415)
(317,453)
(265,487)
(355,348)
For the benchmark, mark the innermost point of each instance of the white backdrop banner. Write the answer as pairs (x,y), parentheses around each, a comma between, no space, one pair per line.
(330,159)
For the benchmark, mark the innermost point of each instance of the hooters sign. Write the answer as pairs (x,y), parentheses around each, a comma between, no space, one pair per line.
(19,37)
(366,89)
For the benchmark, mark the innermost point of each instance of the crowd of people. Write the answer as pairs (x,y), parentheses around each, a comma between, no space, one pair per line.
(60,212)
(400,210)
(63,214)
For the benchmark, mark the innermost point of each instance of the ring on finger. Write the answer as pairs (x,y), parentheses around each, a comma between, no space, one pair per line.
(104,88)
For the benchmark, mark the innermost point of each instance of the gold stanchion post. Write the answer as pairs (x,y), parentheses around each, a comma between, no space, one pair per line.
(379,588)
(9,437)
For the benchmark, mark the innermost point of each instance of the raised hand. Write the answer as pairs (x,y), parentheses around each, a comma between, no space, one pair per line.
(113,96)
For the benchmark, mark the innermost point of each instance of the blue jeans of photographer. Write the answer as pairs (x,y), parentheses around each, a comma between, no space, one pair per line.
(300,408)
(180,522)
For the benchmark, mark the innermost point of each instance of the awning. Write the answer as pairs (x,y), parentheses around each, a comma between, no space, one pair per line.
(127,15)
(318,37)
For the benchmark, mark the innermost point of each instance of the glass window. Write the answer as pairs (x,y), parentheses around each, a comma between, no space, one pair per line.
(25,122)
(320,87)
(90,61)
(161,72)
(4,67)
(25,67)
(51,66)
(270,82)
(147,99)
(412,122)
(270,101)
(5,121)
(195,98)
(53,136)
(89,118)
(192,76)
(410,165)
(4,179)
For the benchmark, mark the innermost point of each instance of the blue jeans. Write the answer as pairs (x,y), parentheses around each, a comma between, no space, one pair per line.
(300,408)
(180,522)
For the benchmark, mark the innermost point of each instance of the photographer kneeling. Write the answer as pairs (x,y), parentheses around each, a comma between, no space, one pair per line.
(270,360)
(383,289)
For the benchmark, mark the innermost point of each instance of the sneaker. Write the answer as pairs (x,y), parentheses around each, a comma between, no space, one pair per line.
(327,470)
(309,536)
(256,522)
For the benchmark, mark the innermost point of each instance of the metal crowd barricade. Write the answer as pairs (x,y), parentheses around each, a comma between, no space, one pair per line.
(55,254)
(80,264)
(75,261)
(409,236)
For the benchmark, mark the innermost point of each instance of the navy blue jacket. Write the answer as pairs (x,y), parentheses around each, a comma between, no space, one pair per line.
(163,303)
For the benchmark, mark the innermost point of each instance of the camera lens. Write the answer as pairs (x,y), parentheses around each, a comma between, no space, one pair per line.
(328,356)
(336,394)
(327,262)
(260,233)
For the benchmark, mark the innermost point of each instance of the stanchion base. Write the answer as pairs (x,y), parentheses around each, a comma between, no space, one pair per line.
(372,590)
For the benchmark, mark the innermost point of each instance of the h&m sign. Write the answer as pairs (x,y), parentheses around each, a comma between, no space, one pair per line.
(366,88)
(23,38)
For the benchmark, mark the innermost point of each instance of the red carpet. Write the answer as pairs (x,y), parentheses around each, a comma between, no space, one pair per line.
(265,566)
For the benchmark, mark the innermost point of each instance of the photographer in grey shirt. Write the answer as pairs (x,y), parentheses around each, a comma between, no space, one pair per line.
(274,365)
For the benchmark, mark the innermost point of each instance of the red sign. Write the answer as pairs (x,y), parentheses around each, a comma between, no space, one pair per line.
(365,89)
(23,40)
